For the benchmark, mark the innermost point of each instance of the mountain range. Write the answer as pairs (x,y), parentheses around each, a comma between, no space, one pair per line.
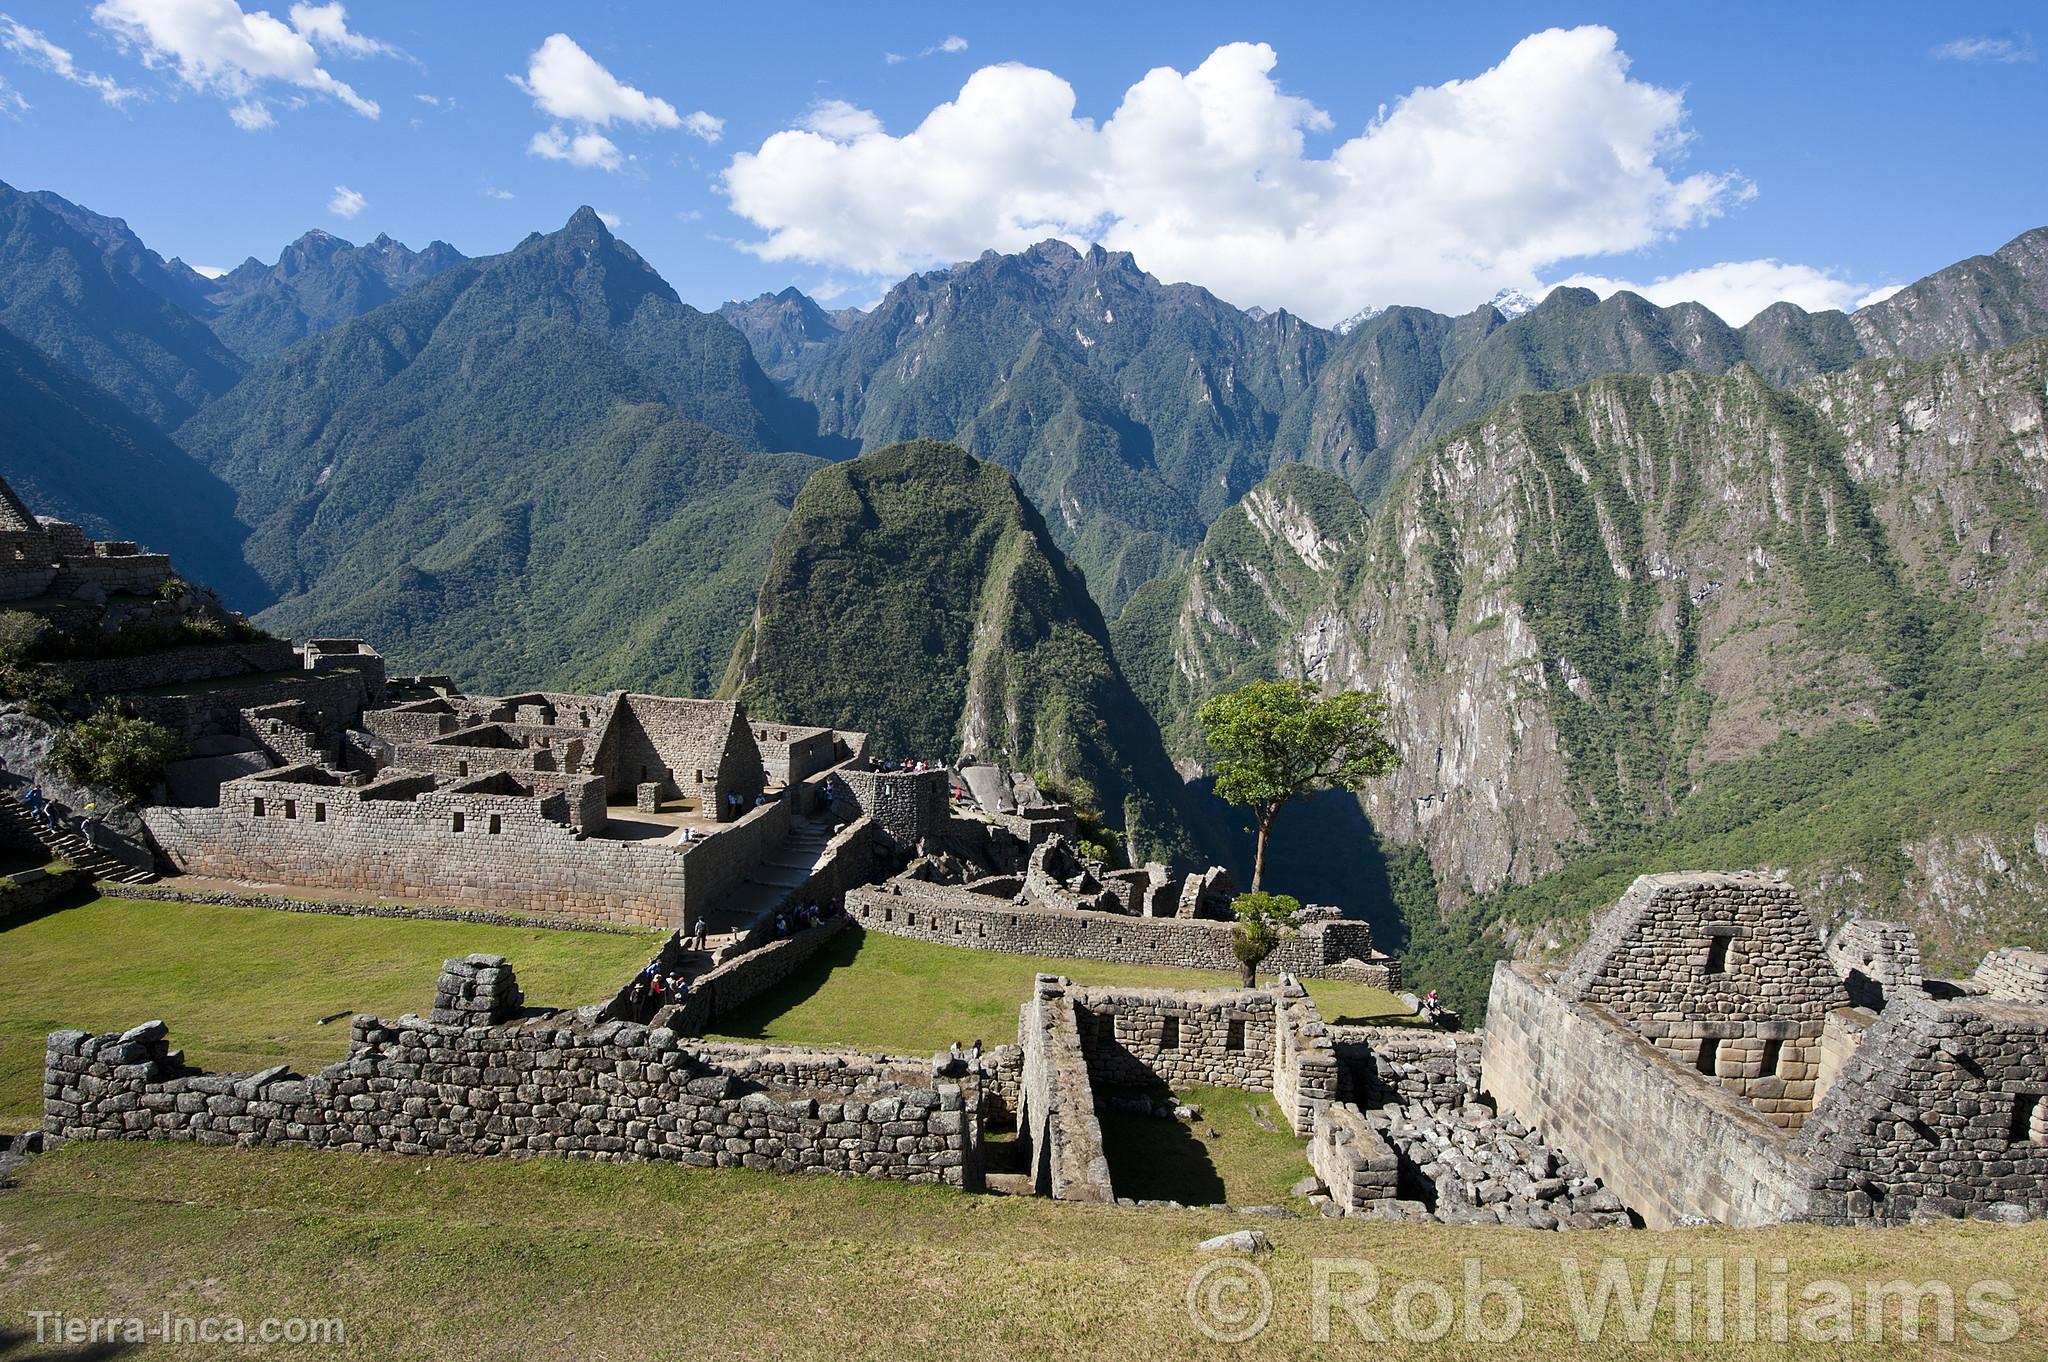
(1616,564)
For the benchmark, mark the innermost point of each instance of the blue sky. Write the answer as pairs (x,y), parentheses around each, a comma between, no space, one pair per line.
(1855,147)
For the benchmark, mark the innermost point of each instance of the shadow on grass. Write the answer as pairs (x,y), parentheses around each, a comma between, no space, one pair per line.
(751,1020)
(10,1339)
(1377,1019)
(1154,1159)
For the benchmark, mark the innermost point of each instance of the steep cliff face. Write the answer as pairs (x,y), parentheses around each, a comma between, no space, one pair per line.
(1592,606)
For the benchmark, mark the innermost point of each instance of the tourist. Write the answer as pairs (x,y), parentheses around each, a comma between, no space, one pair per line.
(89,826)
(782,924)
(698,941)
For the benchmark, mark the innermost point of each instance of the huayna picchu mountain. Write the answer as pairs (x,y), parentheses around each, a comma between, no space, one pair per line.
(917,594)
(1677,618)
(535,464)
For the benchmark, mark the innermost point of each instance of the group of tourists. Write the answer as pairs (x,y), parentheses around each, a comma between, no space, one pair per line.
(917,766)
(56,818)
(807,914)
(655,988)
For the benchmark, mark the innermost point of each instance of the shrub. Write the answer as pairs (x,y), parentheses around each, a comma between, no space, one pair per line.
(1263,921)
(116,751)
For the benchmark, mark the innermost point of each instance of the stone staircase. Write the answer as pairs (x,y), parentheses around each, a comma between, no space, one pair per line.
(68,844)
(772,882)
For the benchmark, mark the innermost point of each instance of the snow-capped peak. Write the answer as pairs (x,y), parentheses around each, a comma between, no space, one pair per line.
(1356,319)
(1512,302)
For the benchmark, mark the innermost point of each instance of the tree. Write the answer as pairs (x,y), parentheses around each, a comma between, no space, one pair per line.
(1276,740)
(1263,920)
(116,751)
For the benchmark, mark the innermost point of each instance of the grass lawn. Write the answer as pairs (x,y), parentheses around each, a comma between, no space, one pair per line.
(483,1259)
(243,988)
(1241,1164)
(873,991)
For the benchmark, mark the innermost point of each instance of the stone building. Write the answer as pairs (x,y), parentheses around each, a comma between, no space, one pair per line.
(43,557)
(1705,1056)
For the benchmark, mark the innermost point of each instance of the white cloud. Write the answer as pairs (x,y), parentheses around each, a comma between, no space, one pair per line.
(1878,295)
(583,149)
(1987,48)
(611,220)
(952,42)
(892,58)
(251,115)
(11,102)
(1736,290)
(209,271)
(567,82)
(327,26)
(839,120)
(1451,194)
(493,192)
(346,202)
(214,45)
(35,48)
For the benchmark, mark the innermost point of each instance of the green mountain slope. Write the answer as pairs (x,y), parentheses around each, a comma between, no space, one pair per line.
(86,307)
(75,453)
(1678,616)
(537,466)
(915,593)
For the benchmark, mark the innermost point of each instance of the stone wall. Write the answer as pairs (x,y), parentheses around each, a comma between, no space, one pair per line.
(908,805)
(1943,1109)
(335,697)
(178,666)
(1351,1158)
(953,916)
(2014,974)
(1669,1142)
(1138,1037)
(700,750)
(725,988)
(1057,1129)
(1407,1065)
(1727,973)
(399,837)
(1875,960)
(26,891)
(545,1086)
(1305,1075)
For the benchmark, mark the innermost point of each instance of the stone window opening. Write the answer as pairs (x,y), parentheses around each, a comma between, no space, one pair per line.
(1233,1036)
(291,808)
(1774,1054)
(1169,1033)
(2030,1118)
(256,809)
(1709,1061)
(1717,955)
(457,822)
(497,825)
(461,768)
(319,813)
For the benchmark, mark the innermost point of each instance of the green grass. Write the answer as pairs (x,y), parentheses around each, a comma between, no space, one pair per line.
(1241,1164)
(244,988)
(873,991)
(487,1259)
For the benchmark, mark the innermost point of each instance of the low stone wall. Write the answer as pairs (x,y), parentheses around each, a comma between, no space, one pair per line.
(29,890)
(717,865)
(171,893)
(952,916)
(1407,1065)
(1305,1077)
(1056,1122)
(548,1086)
(723,989)
(1137,1037)
(1353,1160)
(1672,1143)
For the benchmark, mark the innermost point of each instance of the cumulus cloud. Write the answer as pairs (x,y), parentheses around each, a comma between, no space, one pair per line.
(346,202)
(214,45)
(1736,290)
(35,48)
(569,84)
(585,148)
(1452,193)
(1987,48)
(839,120)
(209,271)
(611,220)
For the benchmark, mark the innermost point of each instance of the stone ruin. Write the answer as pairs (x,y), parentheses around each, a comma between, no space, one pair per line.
(480,990)
(1710,1057)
